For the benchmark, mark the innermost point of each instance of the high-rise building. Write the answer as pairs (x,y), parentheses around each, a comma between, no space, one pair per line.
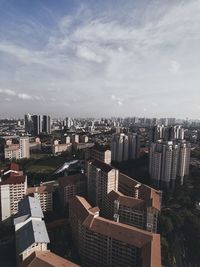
(106,243)
(166,133)
(141,213)
(70,186)
(24,148)
(37,124)
(134,146)
(101,179)
(125,147)
(167,161)
(44,194)
(46,124)
(12,190)
(99,152)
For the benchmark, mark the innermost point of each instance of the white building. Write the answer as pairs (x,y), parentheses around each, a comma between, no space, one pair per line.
(17,151)
(44,194)
(125,147)
(24,148)
(12,190)
(167,161)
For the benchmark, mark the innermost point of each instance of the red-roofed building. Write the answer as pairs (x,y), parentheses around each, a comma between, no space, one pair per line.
(102,242)
(12,190)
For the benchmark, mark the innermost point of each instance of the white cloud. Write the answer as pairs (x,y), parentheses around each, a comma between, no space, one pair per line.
(7,92)
(174,67)
(112,57)
(24,96)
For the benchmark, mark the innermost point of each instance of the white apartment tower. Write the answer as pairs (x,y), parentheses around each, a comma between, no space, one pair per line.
(24,147)
(125,147)
(167,161)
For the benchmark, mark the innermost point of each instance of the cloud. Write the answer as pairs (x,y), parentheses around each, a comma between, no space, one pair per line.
(24,96)
(7,92)
(127,56)
(88,54)
(117,100)
(174,67)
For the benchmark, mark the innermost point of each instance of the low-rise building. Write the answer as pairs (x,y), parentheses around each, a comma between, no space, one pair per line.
(58,148)
(30,230)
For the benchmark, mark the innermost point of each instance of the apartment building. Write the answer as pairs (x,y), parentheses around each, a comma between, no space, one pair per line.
(101,179)
(44,194)
(12,190)
(125,147)
(11,169)
(57,147)
(30,230)
(101,153)
(70,186)
(132,211)
(17,151)
(167,161)
(12,152)
(131,187)
(102,242)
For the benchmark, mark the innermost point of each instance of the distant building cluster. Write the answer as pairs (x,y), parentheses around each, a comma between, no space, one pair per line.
(167,133)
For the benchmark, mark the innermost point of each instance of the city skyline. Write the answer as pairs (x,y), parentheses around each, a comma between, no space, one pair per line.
(100,59)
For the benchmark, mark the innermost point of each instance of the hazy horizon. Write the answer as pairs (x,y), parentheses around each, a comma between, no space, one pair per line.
(98,58)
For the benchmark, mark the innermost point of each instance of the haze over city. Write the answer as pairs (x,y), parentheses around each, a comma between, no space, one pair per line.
(100,58)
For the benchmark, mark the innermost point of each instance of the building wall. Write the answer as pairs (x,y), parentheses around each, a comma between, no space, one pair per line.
(5,202)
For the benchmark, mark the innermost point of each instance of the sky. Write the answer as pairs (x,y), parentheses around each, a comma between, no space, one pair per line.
(100,58)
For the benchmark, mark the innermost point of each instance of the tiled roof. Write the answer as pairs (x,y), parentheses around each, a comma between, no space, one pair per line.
(71,179)
(126,200)
(47,259)
(40,189)
(14,180)
(101,165)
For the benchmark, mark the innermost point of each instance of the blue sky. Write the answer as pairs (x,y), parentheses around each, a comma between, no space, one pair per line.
(100,58)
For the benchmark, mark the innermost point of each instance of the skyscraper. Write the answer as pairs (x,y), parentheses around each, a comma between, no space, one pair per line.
(37,124)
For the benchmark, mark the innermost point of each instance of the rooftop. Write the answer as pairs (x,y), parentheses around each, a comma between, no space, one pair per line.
(40,189)
(32,232)
(47,259)
(71,179)
(101,165)
(126,200)
(14,180)
(30,206)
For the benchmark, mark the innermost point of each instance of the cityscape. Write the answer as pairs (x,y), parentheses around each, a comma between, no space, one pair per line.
(74,189)
(99,133)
